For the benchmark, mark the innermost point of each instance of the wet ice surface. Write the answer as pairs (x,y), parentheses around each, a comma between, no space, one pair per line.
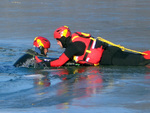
(73,89)
(106,89)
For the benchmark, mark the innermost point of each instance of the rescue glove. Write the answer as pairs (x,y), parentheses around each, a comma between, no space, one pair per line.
(44,61)
(38,60)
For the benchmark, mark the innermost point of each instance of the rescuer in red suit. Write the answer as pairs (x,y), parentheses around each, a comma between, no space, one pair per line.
(80,47)
(84,49)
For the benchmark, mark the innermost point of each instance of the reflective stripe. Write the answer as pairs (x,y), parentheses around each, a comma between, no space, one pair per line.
(96,64)
(92,39)
(87,59)
(88,51)
(85,34)
(75,58)
(74,37)
(94,43)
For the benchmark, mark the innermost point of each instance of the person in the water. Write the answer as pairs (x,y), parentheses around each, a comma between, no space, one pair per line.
(41,45)
(84,49)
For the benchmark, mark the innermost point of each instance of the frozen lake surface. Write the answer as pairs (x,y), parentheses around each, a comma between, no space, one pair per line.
(104,89)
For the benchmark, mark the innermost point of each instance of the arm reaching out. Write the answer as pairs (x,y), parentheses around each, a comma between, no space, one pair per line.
(60,61)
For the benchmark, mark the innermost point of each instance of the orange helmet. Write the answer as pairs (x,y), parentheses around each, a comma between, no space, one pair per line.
(62,31)
(41,42)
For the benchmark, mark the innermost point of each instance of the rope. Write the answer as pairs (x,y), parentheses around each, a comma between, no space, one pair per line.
(119,46)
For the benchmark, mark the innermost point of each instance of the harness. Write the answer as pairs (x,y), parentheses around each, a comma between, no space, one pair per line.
(90,52)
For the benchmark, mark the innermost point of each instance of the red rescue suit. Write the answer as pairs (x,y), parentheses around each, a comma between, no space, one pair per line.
(91,54)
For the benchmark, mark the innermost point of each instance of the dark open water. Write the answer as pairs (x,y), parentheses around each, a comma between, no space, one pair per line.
(108,89)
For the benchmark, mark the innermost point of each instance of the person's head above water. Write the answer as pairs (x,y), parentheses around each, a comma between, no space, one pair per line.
(61,34)
(41,45)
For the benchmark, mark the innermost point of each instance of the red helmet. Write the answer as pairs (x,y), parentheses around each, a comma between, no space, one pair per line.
(41,42)
(62,31)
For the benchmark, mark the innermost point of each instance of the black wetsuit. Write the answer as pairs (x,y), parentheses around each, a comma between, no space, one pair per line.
(115,56)
(111,56)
